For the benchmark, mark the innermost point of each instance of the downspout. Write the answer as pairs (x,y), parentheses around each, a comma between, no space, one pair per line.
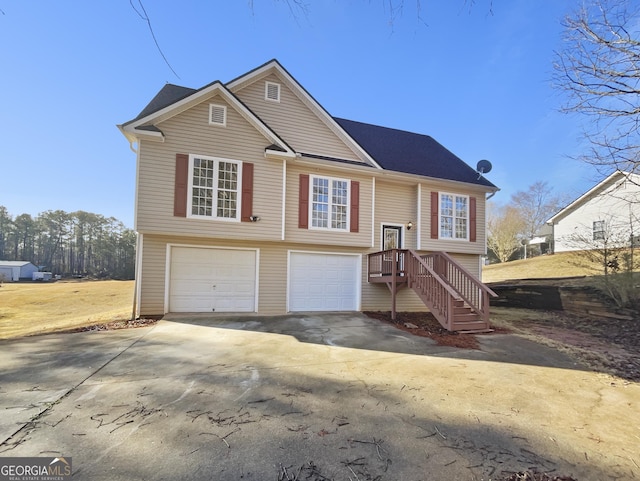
(136,283)
(132,148)
(135,312)
(486,250)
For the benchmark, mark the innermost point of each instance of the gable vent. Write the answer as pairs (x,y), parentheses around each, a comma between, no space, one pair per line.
(217,114)
(272,91)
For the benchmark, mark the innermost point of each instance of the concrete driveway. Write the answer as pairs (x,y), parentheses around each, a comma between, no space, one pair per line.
(310,397)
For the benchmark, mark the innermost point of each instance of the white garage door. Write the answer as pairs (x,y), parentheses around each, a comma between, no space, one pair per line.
(323,282)
(212,280)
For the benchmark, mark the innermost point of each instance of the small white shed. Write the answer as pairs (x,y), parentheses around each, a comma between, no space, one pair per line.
(13,271)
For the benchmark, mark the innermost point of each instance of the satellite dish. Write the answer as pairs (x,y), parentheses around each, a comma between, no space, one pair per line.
(483,167)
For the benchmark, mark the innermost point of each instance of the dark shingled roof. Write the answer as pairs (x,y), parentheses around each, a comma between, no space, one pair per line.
(168,95)
(412,153)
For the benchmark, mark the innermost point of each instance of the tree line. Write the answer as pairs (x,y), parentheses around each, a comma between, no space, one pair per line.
(69,244)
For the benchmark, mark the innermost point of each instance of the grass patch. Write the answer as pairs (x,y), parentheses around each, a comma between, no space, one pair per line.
(40,307)
(560,265)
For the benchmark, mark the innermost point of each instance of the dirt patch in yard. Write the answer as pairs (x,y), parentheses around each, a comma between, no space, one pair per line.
(605,345)
(602,344)
(112,326)
(424,324)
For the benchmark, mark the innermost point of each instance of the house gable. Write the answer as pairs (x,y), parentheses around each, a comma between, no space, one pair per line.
(612,207)
(612,183)
(297,116)
(162,108)
(163,187)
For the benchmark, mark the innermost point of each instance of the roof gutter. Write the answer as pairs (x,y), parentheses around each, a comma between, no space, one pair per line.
(492,194)
(389,174)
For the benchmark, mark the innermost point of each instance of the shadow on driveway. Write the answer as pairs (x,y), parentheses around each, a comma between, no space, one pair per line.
(355,330)
(327,397)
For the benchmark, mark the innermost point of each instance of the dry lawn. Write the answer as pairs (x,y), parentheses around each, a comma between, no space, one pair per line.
(36,308)
(564,264)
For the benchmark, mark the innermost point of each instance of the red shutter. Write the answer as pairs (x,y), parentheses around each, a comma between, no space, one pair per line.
(303,204)
(355,206)
(247,192)
(181,185)
(472,219)
(434,215)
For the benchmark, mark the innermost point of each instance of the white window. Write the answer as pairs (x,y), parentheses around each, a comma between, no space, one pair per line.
(329,203)
(217,115)
(214,188)
(598,230)
(454,216)
(272,91)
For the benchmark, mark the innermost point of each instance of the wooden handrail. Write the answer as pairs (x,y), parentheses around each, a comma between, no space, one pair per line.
(437,279)
(467,287)
(430,287)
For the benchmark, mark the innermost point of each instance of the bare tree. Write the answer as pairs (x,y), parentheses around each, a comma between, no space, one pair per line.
(505,227)
(598,69)
(536,205)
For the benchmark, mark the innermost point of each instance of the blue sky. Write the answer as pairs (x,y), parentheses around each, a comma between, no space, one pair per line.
(476,78)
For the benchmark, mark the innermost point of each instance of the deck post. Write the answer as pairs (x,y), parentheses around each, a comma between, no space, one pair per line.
(394,281)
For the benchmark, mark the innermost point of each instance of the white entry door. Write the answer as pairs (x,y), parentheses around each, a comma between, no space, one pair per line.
(324,282)
(212,280)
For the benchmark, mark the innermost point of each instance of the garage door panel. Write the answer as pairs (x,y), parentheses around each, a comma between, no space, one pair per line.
(323,282)
(191,288)
(209,279)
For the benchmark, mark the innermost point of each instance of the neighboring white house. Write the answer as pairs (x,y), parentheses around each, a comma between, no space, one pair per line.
(12,271)
(608,214)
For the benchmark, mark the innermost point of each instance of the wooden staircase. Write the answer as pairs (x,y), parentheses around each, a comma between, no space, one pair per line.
(458,300)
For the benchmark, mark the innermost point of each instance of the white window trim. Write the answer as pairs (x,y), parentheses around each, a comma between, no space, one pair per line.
(217,160)
(453,238)
(330,179)
(224,115)
(601,231)
(268,84)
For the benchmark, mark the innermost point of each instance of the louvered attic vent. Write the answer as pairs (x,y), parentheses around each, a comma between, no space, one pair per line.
(217,114)
(272,91)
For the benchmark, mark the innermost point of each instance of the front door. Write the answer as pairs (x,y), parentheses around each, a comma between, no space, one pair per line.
(391,239)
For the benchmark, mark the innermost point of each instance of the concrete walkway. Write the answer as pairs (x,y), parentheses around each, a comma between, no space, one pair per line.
(321,397)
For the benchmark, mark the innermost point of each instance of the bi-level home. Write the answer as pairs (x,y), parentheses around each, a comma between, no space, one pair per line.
(252,198)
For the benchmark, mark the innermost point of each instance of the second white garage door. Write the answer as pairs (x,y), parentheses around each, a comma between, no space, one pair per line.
(323,282)
(212,280)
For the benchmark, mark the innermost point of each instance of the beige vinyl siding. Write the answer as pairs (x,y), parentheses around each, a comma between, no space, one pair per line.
(377,297)
(272,284)
(152,280)
(293,120)
(272,271)
(469,261)
(448,245)
(326,237)
(396,204)
(272,268)
(190,133)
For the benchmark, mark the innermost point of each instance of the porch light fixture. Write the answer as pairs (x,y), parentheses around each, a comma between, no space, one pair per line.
(409,225)
(254,218)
